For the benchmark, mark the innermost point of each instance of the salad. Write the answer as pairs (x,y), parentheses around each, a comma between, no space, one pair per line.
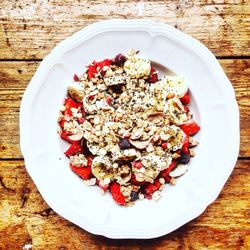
(129,132)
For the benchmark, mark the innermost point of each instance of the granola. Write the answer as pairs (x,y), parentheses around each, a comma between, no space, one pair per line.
(129,131)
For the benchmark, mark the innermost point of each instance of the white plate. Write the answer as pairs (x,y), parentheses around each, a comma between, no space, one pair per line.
(213,104)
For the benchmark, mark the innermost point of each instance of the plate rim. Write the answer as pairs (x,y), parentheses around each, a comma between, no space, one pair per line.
(103,26)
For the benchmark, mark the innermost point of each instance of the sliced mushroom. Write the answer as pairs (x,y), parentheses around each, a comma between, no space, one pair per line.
(139,144)
(128,155)
(179,171)
(75,91)
(156,118)
(136,133)
(78,136)
(86,126)
(123,179)
(125,176)
(101,168)
(93,149)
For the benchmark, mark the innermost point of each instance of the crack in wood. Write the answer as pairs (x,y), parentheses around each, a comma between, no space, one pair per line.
(6,34)
(46,213)
(24,196)
(4,186)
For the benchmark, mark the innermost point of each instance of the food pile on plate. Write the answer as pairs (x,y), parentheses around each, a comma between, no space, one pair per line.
(129,131)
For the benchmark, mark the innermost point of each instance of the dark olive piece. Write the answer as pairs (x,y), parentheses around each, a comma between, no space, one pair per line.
(119,60)
(184,159)
(134,196)
(124,144)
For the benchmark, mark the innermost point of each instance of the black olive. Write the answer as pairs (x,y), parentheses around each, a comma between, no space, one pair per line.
(85,147)
(117,88)
(184,159)
(124,144)
(134,196)
(119,60)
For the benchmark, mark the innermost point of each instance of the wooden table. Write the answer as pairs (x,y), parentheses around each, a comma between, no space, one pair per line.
(29,29)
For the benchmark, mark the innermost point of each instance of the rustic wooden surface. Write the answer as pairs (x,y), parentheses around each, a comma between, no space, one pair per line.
(29,29)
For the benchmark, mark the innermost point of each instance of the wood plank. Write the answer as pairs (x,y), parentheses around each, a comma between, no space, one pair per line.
(26,219)
(16,75)
(223,26)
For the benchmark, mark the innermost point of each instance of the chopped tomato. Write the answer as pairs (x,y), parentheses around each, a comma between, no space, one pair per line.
(61,123)
(81,120)
(186,109)
(65,137)
(185,99)
(105,62)
(102,186)
(76,78)
(91,71)
(190,128)
(135,182)
(153,76)
(108,100)
(137,164)
(164,145)
(117,194)
(150,188)
(83,172)
(165,172)
(70,103)
(185,147)
(90,160)
(73,150)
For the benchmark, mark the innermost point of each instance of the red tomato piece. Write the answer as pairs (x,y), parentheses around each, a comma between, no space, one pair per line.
(150,188)
(89,160)
(67,112)
(135,182)
(186,109)
(165,172)
(105,62)
(70,103)
(91,71)
(61,123)
(116,193)
(81,120)
(102,186)
(164,145)
(185,99)
(83,172)
(73,150)
(76,78)
(65,137)
(153,76)
(108,100)
(137,164)
(190,128)
(185,147)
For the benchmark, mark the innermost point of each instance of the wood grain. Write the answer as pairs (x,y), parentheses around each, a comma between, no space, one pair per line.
(16,75)
(25,218)
(30,29)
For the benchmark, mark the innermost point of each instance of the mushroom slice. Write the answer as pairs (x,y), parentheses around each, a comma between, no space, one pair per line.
(75,91)
(86,126)
(124,176)
(78,136)
(101,168)
(139,144)
(156,118)
(136,133)
(179,171)
(128,155)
